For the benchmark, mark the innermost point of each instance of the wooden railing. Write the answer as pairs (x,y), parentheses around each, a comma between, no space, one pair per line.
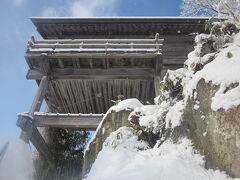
(96,45)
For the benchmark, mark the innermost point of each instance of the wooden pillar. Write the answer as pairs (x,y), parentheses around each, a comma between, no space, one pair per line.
(157,76)
(25,121)
(37,102)
(158,66)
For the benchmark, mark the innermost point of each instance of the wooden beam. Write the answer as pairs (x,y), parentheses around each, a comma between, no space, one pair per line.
(54,41)
(34,74)
(36,105)
(25,122)
(83,121)
(37,102)
(40,144)
(140,54)
(92,45)
(113,73)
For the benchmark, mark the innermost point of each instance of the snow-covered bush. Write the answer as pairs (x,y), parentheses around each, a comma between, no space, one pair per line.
(208,45)
(155,122)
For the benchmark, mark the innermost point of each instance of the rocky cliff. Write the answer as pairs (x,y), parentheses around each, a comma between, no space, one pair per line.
(216,134)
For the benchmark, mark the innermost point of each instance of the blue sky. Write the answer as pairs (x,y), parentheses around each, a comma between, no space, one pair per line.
(17,93)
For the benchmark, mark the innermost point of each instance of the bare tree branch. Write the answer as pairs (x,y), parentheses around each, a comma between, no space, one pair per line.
(229,9)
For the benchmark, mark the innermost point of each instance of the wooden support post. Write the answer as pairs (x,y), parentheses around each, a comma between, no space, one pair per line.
(30,132)
(36,105)
(158,64)
(37,102)
(25,121)
(158,67)
(40,144)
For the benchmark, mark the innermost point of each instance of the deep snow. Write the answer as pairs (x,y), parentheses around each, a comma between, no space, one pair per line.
(120,159)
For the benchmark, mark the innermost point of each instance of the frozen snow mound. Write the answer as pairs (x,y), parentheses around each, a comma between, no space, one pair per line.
(17,163)
(168,162)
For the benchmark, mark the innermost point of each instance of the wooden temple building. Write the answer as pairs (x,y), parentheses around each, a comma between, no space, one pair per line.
(83,64)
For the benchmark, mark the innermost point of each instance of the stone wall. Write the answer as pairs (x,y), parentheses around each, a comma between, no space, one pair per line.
(112,122)
(216,134)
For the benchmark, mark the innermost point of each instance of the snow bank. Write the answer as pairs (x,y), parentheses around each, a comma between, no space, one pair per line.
(168,162)
(17,163)
(128,104)
(223,71)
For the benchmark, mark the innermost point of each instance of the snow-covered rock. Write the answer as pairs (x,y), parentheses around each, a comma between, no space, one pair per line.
(170,161)
(212,100)
(223,71)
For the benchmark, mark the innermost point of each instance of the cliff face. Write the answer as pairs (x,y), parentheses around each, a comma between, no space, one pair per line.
(216,134)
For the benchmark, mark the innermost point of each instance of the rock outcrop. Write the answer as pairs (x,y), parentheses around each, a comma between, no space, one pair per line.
(216,134)
(110,123)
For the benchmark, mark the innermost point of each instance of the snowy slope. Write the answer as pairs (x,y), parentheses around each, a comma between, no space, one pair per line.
(120,159)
